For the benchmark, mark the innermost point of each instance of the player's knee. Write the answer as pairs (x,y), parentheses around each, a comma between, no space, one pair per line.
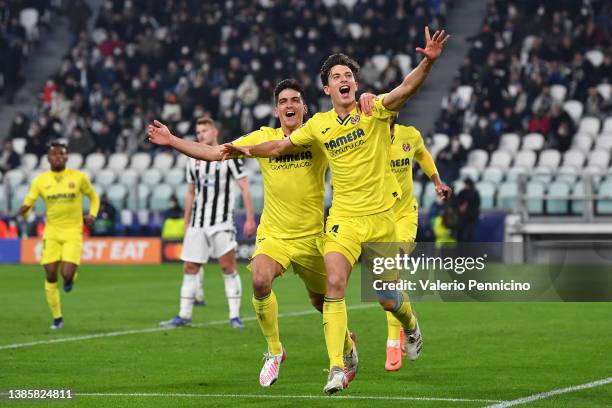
(387,304)
(227,267)
(336,282)
(262,284)
(191,268)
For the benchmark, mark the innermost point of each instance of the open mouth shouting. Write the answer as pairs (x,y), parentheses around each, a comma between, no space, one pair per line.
(290,113)
(344,90)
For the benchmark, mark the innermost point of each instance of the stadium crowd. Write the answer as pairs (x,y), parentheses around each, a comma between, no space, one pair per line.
(523,50)
(178,60)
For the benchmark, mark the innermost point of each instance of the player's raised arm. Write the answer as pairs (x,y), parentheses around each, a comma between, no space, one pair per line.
(426,162)
(159,134)
(271,148)
(433,48)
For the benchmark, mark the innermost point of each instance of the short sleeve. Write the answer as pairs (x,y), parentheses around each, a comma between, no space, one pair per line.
(190,172)
(237,169)
(303,136)
(33,193)
(252,138)
(380,111)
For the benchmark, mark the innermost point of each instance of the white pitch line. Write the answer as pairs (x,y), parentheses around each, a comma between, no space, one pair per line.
(551,393)
(276,396)
(158,329)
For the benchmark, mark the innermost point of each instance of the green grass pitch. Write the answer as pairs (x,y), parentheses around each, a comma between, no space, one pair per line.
(473,351)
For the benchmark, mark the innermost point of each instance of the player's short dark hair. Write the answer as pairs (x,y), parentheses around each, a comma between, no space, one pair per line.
(56,143)
(338,59)
(288,83)
(206,120)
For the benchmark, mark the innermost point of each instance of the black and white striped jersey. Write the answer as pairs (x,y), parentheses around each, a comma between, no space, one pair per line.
(215,190)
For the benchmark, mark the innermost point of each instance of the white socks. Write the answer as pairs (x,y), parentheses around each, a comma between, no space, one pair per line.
(188,293)
(199,296)
(233,292)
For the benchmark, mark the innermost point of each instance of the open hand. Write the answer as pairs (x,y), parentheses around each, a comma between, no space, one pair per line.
(366,103)
(230,151)
(444,192)
(433,45)
(159,133)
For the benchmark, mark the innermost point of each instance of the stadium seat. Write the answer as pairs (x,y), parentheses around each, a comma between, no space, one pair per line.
(95,162)
(32,175)
(28,19)
(603,205)
(507,195)
(558,92)
(574,109)
(596,57)
(510,142)
(139,198)
(174,177)
(465,140)
(458,185)
(117,194)
(226,98)
(140,161)
(577,202)
(501,159)
(469,171)
(160,197)
(349,4)
(558,203)
(14,177)
(440,141)
(128,177)
(549,158)
(19,144)
(574,158)
(464,92)
(355,30)
(525,159)
(19,193)
(257,195)
(151,177)
(599,159)
(603,142)
(405,63)
(262,111)
(181,192)
(607,127)
(183,127)
(429,196)
(486,190)
(43,164)
(99,189)
(3,204)
(493,175)
(75,160)
(541,174)
(117,161)
(605,90)
(29,162)
(478,158)
(535,197)
(417,190)
(582,142)
(163,161)
(590,125)
(181,161)
(567,174)
(105,177)
(533,142)
(380,61)
(513,173)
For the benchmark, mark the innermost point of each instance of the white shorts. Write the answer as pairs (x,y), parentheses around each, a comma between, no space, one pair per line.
(198,246)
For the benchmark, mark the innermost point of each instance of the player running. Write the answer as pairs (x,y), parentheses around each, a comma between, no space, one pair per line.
(365,189)
(62,190)
(209,222)
(296,183)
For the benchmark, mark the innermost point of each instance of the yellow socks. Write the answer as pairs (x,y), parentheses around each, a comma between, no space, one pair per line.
(348,344)
(393,327)
(403,312)
(335,329)
(266,310)
(53,299)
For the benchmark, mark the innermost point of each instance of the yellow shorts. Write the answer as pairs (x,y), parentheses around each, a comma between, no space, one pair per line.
(406,227)
(65,250)
(303,253)
(346,234)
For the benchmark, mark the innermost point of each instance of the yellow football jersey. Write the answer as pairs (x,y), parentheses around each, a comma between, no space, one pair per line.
(357,148)
(62,193)
(405,143)
(294,188)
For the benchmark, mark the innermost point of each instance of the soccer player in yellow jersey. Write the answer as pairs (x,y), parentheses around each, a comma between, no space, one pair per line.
(62,190)
(365,189)
(291,225)
(406,146)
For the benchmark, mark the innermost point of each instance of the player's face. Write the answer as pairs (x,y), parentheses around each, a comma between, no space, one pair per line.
(207,134)
(290,109)
(341,85)
(57,157)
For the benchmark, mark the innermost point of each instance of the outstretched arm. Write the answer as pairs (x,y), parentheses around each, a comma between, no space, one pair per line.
(159,134)
(413,81)
(271,148)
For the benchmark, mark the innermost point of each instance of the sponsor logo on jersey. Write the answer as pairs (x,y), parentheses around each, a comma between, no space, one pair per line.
(400,162)
(71,185)
(291,161)
(406,147)
(344,140)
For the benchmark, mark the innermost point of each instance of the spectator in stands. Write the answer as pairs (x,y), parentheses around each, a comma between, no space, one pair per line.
(19,127)
(81,141)
(104,225)
(9,159)
(561,130)
(78,13)
(468,207)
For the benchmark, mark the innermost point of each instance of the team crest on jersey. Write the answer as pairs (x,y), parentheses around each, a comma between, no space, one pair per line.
(406,147)
(71,185)
(356,119)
